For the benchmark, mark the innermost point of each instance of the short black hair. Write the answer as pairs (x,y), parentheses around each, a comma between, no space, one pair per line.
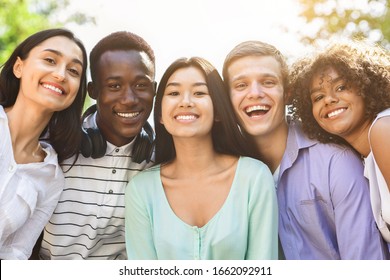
(121,40)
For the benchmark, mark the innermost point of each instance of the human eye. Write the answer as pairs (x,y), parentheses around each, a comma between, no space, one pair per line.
(269,83)
(172,93)
(240,86)
(316,97)
(200,93)
(74,72)
(49,60)
(341,87)
(114,86)
(143,85)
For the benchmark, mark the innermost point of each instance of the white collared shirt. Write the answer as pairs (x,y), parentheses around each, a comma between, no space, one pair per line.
(28,196)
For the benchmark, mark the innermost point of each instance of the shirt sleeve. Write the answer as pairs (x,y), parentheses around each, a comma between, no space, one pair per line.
(263,217)
(138,231)
(357,234)
(26,237)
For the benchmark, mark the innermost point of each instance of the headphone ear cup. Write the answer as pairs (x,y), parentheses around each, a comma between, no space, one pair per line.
(99,144)
(143,146)
(86,144)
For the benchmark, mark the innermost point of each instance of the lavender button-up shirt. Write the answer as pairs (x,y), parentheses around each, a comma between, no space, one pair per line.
(324,203)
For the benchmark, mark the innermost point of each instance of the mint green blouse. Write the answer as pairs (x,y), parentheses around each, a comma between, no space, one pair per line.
(246,226)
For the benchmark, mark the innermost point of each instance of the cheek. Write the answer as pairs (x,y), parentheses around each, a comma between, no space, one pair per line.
(236,100)
(316,115)
(147,97)
(107,97)
(164,111)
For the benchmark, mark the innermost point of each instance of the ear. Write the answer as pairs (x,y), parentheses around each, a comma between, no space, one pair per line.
(92,92)
(18,66)
(161,120)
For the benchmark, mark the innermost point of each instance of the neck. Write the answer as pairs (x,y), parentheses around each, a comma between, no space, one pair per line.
(25,127)
(272,146)
(359,140)
(193,156)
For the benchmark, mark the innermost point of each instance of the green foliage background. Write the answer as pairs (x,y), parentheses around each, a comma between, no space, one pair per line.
(21,18)
(341,17)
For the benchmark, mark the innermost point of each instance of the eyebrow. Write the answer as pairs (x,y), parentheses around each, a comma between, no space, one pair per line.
(75,60)
(332,81)
(178,84)
(264,75)
(137,78)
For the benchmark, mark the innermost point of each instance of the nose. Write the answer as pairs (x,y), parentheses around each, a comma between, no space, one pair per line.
(255,91)
(129,96)
(59,73)
(186,100)
(331,98)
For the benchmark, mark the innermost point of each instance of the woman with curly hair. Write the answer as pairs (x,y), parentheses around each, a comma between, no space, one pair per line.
(343,95)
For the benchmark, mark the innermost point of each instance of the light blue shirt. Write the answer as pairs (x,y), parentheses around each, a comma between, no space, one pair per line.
(324,203)
(244,228)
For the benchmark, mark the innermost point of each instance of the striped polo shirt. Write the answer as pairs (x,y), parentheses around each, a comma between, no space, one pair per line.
(89,220)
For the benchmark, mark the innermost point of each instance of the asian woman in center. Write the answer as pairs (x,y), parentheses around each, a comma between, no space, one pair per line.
(204,199)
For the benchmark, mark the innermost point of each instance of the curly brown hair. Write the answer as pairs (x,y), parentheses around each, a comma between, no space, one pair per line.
(364,67)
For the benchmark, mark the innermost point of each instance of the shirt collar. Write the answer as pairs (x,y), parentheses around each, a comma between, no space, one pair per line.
(90,121)
(296,140)
(2,113)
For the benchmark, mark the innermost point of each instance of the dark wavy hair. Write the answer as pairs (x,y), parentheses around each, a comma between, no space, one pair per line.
(364,67)
(63,131)
(226,135)
(121,40)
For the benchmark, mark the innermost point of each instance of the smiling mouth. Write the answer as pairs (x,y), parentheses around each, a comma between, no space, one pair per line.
(335,113)
(186,117)
(128,115)
(53,88)
(257,110)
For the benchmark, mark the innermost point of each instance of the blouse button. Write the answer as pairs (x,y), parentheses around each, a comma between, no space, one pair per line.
(117,150)
(113,171)
(110,191)
(11,168)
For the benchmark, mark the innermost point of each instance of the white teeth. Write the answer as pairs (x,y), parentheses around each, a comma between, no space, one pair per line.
(128,115)
(186,117)
(335,113)
(257,108)
(53,88)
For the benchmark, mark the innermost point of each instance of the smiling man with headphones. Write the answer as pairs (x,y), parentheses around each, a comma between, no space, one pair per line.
(88,222)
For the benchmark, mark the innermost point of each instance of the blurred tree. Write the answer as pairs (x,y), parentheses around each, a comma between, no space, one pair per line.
(21,18)
(358,19)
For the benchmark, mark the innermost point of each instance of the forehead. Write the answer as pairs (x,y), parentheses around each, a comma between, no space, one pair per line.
(61,44)
(250,65)
(126,60)
(187,74)
(324,75)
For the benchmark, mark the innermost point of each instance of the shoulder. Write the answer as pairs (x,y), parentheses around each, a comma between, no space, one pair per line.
(250,169)
(144,185)
(381,127)
(147,177)
(248,164)
(248,161)
(379,138)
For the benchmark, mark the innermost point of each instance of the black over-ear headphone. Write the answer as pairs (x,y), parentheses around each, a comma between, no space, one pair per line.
(94,145)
